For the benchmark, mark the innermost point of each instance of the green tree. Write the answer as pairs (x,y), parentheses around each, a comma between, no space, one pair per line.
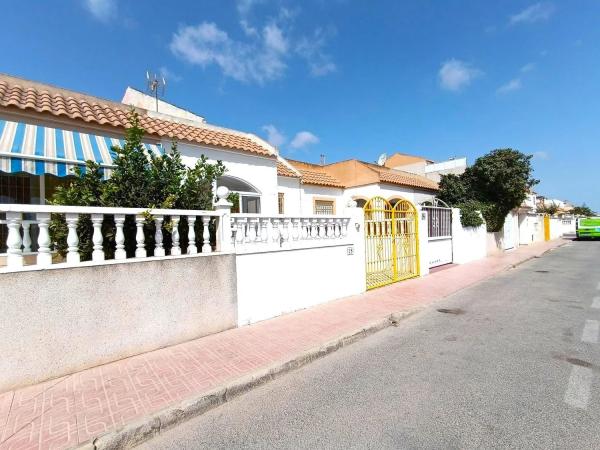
(583,210)
(496,183)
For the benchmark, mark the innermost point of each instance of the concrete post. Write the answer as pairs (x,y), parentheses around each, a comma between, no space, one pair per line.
(356,236)
(423,242)
(224,243)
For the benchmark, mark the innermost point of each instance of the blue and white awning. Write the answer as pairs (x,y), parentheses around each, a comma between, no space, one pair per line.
(38,150)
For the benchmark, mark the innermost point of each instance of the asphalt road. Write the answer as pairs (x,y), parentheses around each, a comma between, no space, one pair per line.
(513,363)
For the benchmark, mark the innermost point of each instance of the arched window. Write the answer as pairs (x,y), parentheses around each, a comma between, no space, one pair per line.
(249,196)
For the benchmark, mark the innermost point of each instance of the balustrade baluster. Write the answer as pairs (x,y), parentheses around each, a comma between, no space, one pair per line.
(305,229)
(13,242)
(140,251)
(120,252)
(97,239)
(44,257)
(252,230)
(264,230)
(276,236)
(240,235)
(323,229)
(330,230)
(175,249)
(158,236)
(285,233)
(26,236)
(314,230)
(296,229)
(72,239)
(206,248)
(192,249)
(337,228)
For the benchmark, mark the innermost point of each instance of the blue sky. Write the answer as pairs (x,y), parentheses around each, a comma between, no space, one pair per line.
(345,78)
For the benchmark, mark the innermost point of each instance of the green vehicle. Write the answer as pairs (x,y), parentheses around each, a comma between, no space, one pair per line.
(588,228)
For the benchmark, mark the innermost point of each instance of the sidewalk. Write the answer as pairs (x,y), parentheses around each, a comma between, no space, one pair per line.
(121,403)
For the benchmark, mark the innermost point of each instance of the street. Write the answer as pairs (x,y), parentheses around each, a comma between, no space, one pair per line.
(512,362)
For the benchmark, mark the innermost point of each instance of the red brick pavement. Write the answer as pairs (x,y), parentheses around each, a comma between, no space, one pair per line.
(72,410)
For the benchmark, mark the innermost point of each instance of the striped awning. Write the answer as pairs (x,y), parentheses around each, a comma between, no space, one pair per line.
(38,150)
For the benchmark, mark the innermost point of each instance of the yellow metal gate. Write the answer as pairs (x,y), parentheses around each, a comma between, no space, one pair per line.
(391,242)
(546,227)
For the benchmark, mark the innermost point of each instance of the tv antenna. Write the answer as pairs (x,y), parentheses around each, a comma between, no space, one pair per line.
(156,86)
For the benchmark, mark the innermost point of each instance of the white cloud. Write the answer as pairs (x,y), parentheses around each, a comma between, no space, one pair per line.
(275,137)
(311,49)
(245,6)
(513,85)
(274,39)
(263,52)
(535,13)
(261,60)
(527,67)
(304,138)
(454,75)
(102,10)
(541,155)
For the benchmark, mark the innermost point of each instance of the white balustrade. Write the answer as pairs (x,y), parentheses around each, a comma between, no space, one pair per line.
(245,232)
(206,248)
(158,236)
(120,252)
(26,236)
(19,241)
(44,256)
(192,249)
(72,239)
(254,232)
(97,239)
(175,249)
(14,240)
(140,251)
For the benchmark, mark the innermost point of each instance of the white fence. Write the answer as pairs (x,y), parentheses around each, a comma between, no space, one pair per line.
(19,240)
(253,232)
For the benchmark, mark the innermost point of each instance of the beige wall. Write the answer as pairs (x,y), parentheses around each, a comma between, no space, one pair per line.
(59,321)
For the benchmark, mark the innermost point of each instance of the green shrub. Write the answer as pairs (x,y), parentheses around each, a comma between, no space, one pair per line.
(470,215)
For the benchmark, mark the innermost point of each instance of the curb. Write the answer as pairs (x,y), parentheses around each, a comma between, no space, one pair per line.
(539,255)
(145,428)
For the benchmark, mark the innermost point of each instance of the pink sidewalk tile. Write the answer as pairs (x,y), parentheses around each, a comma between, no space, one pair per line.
(72,410)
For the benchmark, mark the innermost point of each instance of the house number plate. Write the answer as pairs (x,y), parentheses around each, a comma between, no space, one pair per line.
(350,250)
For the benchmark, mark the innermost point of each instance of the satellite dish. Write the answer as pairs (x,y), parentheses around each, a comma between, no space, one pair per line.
(382,159)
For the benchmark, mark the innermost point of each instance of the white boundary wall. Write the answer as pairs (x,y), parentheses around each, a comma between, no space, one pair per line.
(275,282)
(468,243)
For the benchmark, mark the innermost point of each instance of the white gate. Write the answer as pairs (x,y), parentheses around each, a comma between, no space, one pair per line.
(508,231)
(439,221)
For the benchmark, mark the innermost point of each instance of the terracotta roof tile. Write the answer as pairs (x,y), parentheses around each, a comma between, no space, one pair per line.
(285,171)
(400,177)
(28,95)
(319,178)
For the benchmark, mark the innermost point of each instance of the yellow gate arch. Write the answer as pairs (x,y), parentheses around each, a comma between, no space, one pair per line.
(391,241)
